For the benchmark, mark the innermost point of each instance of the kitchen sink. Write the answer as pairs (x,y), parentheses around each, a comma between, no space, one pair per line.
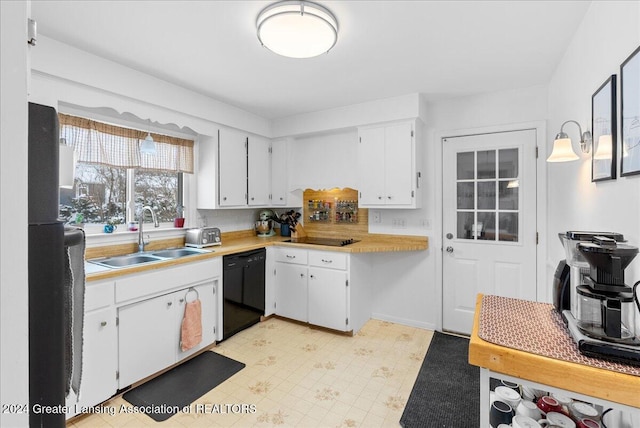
(174,253)
(128,260)
(142,258)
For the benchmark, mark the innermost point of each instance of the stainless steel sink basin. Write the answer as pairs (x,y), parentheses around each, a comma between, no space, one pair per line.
(128,260)
(175,253)
(141,258)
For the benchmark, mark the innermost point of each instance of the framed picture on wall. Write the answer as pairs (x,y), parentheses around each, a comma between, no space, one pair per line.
(630,116)
(603,123)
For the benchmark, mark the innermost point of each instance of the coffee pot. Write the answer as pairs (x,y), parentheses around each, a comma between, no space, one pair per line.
(606,309)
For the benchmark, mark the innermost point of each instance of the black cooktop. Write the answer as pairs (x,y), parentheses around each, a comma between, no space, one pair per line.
(331,242)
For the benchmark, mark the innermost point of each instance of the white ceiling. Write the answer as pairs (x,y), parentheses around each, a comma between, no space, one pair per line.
(385,48)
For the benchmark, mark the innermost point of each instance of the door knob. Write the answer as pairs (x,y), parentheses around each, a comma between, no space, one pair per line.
(449,249)
(449,235)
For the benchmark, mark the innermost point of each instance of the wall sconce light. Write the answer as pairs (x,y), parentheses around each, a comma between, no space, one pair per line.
(562,148)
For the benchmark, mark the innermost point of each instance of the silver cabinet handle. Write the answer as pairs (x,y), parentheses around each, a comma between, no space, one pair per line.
(252,198)
(388,197)
(224,198)
(169,304)
(312,276)
(326,261)
(379,197)
(181,300)
(449,249)
(103,324)
(281,198)
(301,275)
(290,257)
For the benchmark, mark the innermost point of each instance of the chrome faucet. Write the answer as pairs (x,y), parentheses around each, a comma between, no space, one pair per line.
(141,242)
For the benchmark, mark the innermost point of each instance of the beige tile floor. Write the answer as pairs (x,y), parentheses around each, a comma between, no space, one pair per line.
(296,376)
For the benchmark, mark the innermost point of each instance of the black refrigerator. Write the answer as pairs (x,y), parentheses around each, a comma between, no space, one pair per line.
(46,271)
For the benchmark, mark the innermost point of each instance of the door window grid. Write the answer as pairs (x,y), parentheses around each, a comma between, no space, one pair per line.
(486,195)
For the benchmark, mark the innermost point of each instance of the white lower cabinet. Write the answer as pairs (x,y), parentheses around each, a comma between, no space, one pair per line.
(291,291)
(132,326)
(99,349)
(146,338)
(313,286)
(149,331)
(328,298)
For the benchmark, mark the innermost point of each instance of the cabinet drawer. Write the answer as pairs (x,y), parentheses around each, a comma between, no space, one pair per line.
(328,259)
(291,255)
(98,295)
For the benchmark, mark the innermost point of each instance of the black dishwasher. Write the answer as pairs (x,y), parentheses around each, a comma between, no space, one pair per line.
(243,290)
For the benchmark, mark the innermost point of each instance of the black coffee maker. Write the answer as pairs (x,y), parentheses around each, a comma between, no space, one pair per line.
(606,304)
(605,323)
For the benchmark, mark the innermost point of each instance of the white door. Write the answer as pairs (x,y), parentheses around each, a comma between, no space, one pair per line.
(208,306)
(398,164)
(259,164)
(489,221)
(279,173)
(328,298)
(291,291)
(232,167)
(371,164)
(147,338)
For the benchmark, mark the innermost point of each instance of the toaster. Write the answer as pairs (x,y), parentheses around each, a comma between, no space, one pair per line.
(203,237)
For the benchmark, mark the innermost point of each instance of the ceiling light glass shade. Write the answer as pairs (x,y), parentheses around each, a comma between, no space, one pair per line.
(605,150)
(297,29)
(562,151)
(148,146)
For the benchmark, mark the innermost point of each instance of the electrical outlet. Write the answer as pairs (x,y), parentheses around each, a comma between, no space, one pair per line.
(376,216)
(399,223)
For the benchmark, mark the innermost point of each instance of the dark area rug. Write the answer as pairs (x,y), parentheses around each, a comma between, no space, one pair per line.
(447,389)
(166,395)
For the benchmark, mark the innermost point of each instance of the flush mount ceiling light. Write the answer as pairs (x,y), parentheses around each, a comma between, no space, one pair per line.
(297,29)
(562,148)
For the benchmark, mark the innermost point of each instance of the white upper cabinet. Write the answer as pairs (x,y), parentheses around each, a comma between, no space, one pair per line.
(237,170)
(232,168)
(388,166)
(259,178)
(279,173)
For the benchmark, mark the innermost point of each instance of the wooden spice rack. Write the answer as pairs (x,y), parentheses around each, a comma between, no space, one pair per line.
(334,213)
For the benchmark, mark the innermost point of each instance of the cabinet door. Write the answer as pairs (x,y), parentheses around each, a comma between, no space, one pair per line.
(147,338)
(399,171)
(209,309)
(99,357)
(259,158)
(232,168)
(328,298)
(279,173)
(291,291)
(371,164)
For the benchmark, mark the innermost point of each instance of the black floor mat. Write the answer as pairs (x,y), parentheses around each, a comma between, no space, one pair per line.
(447,390)
(166,395)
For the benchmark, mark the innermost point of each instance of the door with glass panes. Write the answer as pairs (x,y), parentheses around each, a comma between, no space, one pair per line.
(489,221)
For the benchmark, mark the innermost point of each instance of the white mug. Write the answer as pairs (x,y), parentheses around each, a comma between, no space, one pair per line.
(508,395)
(529,409)
(521,421)
(555,418)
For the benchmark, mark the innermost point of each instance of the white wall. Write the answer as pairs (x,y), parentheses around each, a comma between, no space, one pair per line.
(608,34)
(14,354)
(62,73)
(406,289)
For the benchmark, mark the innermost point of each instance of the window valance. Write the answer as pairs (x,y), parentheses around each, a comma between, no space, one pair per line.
(105,144)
